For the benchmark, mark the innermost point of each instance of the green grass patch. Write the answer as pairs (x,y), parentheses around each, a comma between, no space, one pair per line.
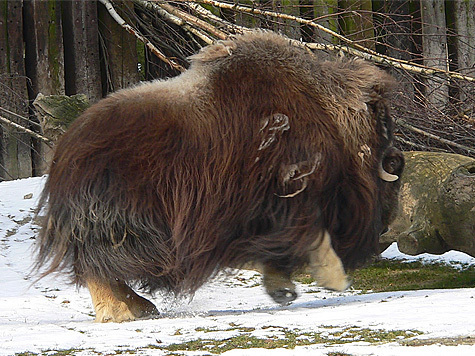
(395,275)
(277,337)
(52,353)
(73,352)
(289,339)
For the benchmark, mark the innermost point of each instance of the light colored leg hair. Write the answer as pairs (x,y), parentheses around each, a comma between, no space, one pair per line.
(325,266)
(117,302)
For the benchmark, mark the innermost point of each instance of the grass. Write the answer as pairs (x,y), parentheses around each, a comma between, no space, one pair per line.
(52,353)
(395,275)
(279,337)
(390,275)
(290,339)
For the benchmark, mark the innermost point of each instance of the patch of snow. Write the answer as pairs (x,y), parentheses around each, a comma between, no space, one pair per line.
(52,315)
(451,257)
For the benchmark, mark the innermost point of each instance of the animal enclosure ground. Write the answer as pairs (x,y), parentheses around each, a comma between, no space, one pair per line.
(232,315)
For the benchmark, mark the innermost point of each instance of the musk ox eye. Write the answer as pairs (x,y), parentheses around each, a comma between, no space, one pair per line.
(393,161)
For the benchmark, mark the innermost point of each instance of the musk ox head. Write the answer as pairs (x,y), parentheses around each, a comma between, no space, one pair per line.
(259,152)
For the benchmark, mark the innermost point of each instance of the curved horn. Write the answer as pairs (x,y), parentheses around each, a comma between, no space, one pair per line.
(387,177)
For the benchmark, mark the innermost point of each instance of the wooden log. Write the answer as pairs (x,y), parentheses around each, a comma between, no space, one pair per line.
(81,46)
(121,50)
(15,146)
(437,205)
(44,55)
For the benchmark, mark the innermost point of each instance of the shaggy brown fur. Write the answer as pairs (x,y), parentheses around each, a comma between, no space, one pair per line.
(321,265)
(248,156)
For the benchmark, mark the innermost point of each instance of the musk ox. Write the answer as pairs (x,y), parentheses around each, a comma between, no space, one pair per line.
(259,152)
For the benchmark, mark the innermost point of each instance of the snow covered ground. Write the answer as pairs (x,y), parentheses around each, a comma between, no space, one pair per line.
(50,315)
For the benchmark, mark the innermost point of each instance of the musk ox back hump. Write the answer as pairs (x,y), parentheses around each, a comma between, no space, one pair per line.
(249,155)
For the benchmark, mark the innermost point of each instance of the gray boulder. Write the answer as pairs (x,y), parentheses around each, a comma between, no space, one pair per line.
(437,205)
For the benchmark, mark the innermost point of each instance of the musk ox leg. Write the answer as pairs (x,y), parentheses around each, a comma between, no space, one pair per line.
(326,267)
(279,285)
(114,301)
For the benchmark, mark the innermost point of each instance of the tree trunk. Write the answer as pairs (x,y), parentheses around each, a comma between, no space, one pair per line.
(44,50)
(323,10)
(358,26)
(397,41)
(434,43)
(464,26)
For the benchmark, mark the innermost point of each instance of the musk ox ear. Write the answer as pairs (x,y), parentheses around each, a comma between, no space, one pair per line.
(218,50)
(375,83)
(376,95)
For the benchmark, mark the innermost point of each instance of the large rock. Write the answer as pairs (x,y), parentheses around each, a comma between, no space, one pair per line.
(55,113)
(437,205)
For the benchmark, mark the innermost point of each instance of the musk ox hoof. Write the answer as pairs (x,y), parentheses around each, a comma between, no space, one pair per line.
(338,285)
(114,301)
(284,296)
(120,312)
(141,308)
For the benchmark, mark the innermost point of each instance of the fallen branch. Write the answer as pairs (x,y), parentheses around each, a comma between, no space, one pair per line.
(193,20)
(415,146)
(11,113)
(404,124)
(175,19)
(129,29)
(216,19)
(25,130)
(355,49)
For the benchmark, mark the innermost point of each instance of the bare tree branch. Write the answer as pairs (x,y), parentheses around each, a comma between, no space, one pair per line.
(177,18)
(24,129)
(129,29)
(357,49)
(215,19)
(402,123)
(11,113)
(411,144)
(193,20)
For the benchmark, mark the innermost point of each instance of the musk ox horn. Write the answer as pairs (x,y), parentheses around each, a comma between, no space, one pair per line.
(387,177)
